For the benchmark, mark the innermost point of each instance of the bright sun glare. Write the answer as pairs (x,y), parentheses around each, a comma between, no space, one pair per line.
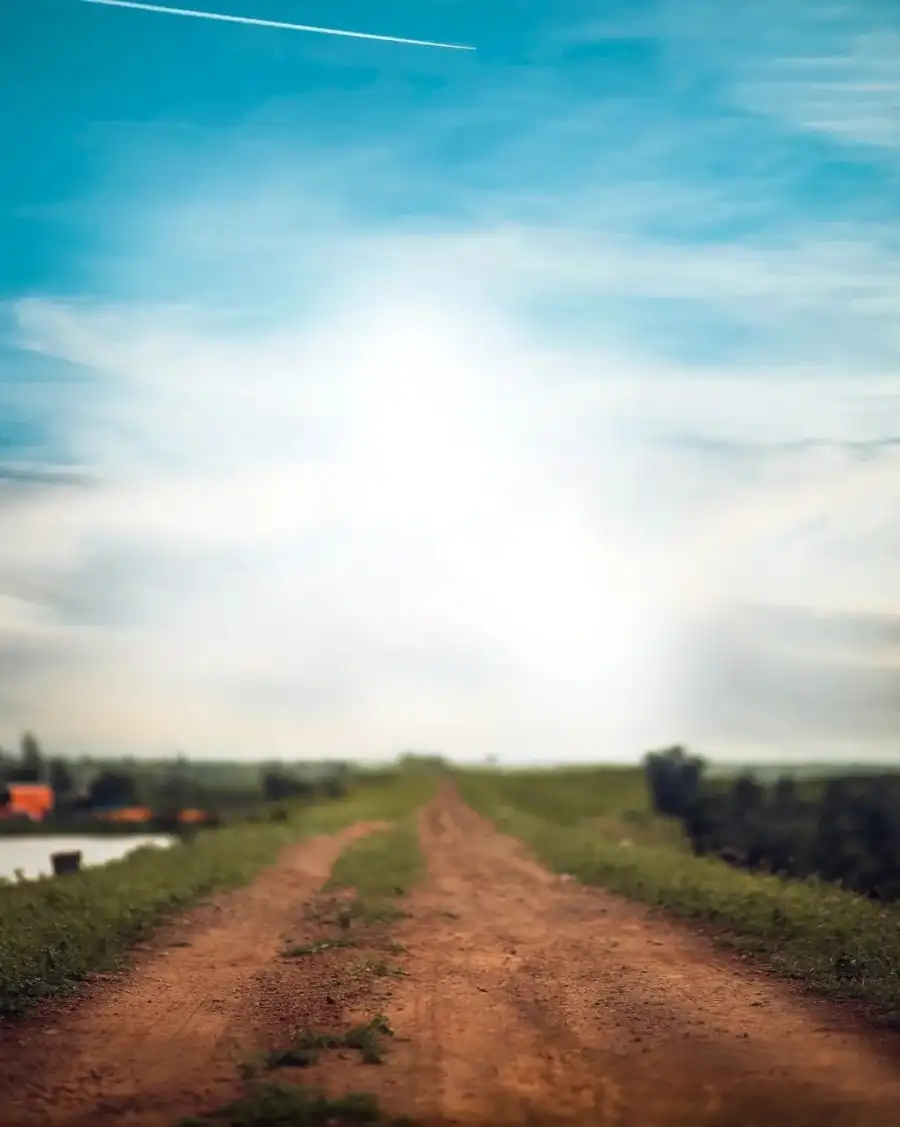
(519,563)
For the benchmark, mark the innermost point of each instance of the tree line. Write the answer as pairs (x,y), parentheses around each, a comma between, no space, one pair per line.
(844,829)
(166,789)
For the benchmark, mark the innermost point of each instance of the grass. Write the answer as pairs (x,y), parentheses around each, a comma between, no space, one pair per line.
(565,794)
(85,826)
(381,866)
(320,945)
(611,801)
(368,912)
(377,869)
(288,1105)
(835,942)
(55,932)
(367,1039)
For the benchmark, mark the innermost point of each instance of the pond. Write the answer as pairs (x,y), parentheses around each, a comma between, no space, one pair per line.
(31,853)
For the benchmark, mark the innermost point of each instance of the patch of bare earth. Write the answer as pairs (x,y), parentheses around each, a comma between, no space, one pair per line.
(163,1039)
(532,1001)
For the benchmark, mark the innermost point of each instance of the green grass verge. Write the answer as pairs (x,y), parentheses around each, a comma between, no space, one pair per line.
(837,943)
(382,865)
(56,931)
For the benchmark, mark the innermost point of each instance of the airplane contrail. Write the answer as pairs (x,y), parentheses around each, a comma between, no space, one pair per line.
(253,22)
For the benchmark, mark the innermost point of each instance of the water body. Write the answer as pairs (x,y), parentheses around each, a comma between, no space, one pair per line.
(32,854)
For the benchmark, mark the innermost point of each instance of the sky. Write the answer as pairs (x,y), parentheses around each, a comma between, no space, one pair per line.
(540,400)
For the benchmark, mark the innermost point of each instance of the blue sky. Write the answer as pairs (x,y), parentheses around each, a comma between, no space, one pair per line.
(540,400)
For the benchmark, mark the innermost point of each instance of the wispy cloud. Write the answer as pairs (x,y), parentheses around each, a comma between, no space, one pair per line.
(824,68)
(852,97)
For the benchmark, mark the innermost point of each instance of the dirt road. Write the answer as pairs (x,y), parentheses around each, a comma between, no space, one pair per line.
(164,1039)
(530,1000)
(527,1000)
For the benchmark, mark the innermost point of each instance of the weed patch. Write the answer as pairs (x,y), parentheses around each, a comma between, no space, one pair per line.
(317,948)
(287,1105)
(368,913)
(367,1039)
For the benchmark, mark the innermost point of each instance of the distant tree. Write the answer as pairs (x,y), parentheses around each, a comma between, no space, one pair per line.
(178,790)
(747,796)
(278,786)
(113,788)
(674,779)
(62,783)
(60,777)
(846,831)
(422,761)
(33,766)
(8,766)
(701,823)
(334,786)
(784,794)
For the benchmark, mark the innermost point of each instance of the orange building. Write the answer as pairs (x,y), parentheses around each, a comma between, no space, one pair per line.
(192,816)
(34,800)
(125,814)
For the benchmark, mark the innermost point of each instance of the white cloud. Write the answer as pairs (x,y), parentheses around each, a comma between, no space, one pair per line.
(358,487)
(412,520)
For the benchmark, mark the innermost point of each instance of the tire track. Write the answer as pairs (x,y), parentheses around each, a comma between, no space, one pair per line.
(532,1001)
(163,1040)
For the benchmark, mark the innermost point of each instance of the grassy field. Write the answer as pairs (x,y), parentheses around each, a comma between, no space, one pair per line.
(834,941)
(55,932)
(610,802)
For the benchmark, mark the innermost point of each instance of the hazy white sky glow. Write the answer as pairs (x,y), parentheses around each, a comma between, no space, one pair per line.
(362,424)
